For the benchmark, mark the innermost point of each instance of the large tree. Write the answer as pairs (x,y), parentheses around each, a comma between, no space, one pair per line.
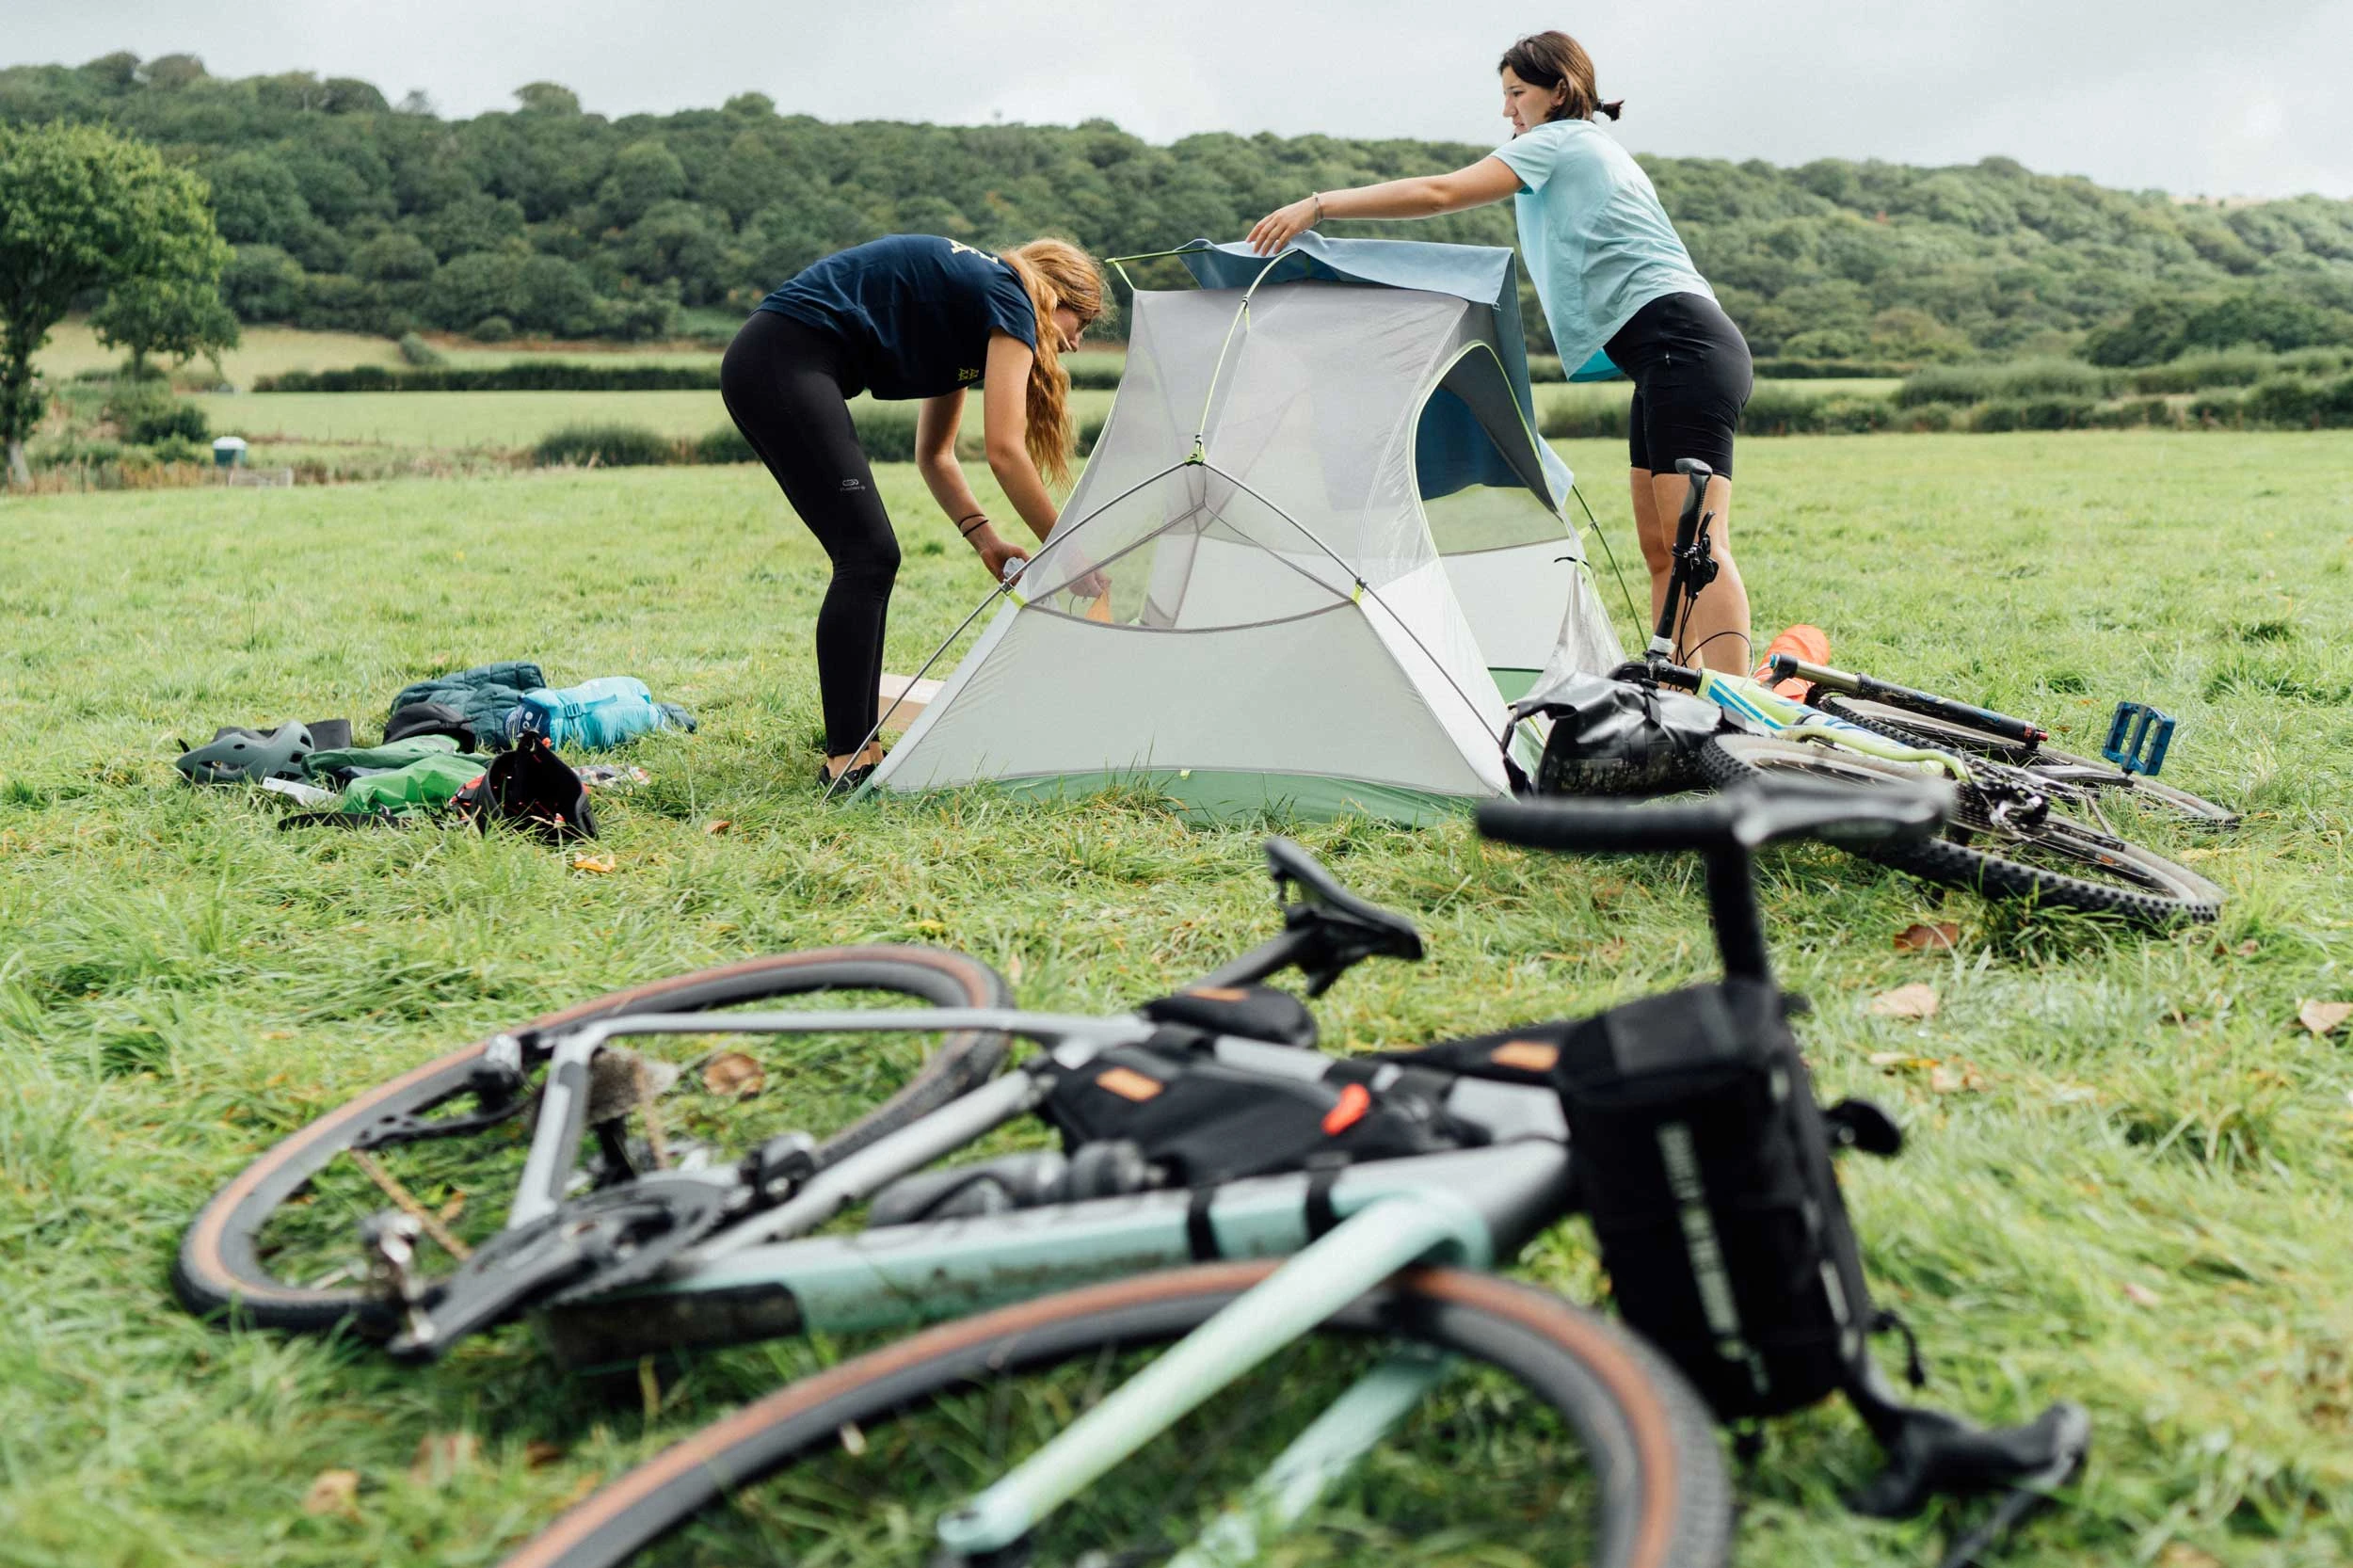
(83,210)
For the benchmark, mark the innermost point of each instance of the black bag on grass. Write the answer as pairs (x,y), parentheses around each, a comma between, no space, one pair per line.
(532,789)
(1620,737)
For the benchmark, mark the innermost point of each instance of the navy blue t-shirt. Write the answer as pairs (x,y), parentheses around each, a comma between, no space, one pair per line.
(915,311)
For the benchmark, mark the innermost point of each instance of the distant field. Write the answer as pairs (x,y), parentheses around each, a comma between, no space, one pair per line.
(472,420)
(274,350)
(1556,394)
(453,419)
(266,351)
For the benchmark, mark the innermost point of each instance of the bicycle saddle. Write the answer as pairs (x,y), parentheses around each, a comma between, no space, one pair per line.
(1738,819)
(1347,929)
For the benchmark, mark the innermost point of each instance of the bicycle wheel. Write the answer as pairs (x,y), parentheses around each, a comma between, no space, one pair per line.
(1562,1439)
(2102,778)
(2055,860)
(280,1245)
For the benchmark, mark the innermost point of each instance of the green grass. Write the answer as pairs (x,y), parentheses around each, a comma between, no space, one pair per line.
(2143,1206)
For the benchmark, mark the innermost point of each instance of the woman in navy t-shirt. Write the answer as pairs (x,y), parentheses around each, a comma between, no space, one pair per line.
(911,316)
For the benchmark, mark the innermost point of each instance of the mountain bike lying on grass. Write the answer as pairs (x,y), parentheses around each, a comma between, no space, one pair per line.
(1378,1392)
(2126,771)
(2028,822)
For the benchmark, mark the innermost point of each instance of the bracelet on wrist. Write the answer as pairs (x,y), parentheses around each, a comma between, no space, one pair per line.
(977,521)
(1319,196)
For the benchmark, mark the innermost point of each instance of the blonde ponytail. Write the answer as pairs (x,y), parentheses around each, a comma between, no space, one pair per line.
(1057,274)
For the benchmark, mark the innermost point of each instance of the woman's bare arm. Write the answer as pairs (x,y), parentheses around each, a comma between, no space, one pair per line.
(1423,196)
(1004,419)
(936,422)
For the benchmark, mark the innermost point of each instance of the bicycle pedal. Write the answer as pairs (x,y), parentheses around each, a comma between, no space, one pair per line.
(2138,737)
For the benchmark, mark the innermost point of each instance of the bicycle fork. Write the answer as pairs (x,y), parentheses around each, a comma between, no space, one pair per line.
(1355,1256)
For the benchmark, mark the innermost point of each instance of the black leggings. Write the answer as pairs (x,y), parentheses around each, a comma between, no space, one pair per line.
(786,387)
(1692,378)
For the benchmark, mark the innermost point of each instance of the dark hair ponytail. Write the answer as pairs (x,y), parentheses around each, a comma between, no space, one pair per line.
(1556,61)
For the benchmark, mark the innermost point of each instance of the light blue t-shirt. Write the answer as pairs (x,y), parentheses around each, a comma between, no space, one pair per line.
(1599,246)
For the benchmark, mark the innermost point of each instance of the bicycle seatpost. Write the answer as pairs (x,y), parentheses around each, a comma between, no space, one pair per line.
(1688,576)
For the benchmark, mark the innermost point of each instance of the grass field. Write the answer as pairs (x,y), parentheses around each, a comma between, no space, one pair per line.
(507,420)
(74,348)
(274,350)
(262,351)
(1605,395)
(498,419)
(2132,1190)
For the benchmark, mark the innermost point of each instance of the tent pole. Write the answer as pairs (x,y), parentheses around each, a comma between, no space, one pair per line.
(1624,592)
(1201,430)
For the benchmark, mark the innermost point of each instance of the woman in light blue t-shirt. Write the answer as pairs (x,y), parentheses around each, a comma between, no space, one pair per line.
(1614,279)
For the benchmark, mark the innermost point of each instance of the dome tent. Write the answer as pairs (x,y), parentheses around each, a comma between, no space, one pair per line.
(1316,546)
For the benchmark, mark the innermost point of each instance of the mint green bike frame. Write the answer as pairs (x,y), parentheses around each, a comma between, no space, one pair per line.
(764,1276)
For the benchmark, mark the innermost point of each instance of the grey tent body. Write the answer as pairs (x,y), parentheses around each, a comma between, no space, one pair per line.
(1317,548)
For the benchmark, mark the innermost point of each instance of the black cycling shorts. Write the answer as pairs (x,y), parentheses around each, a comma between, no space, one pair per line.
(1692,378)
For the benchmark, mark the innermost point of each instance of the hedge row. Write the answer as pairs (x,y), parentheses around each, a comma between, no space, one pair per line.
(555,376)
(520,375)
(2280,402)
(885,432)
(2022,379)
(1547,367)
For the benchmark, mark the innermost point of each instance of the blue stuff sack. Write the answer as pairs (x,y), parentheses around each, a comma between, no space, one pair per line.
(591,716)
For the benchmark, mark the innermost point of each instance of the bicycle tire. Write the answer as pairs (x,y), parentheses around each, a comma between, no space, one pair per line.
(1665,1496)
(2139,884)
(1900,724)
(219,1268)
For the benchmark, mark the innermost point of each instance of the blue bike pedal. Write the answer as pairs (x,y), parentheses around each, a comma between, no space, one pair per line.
(2137,738)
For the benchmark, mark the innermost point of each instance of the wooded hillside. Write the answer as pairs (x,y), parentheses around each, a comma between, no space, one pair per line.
(347,211)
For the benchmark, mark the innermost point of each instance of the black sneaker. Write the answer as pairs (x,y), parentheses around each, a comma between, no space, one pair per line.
(847,780)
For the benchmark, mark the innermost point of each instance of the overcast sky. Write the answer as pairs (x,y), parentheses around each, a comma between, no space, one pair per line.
(2197,97)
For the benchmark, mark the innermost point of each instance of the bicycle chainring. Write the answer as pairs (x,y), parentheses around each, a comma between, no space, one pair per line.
(622,1236)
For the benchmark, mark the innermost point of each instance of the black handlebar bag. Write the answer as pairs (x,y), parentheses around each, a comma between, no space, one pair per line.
(1705,1165)
(1704,1162)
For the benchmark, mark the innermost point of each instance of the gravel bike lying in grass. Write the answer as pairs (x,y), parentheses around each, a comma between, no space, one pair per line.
(2028,822)
(1339,1368)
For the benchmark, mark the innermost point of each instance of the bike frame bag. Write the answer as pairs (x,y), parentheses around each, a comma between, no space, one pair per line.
(1705,1165)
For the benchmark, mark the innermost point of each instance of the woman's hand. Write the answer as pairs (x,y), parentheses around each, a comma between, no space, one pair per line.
(995,553)
(1284,225)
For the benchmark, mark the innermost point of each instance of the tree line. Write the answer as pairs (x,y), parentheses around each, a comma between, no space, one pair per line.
(345,210)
